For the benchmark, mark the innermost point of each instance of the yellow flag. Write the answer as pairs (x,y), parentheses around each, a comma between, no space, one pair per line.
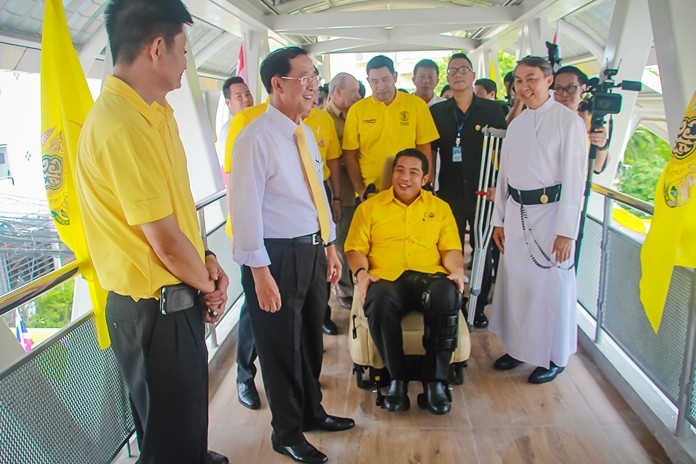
(492,71)
(670,241)
(65,102)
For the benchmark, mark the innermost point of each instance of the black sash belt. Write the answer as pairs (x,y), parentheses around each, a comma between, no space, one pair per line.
(540,196)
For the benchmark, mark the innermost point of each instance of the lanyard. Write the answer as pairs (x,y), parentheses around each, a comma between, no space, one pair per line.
(460,125)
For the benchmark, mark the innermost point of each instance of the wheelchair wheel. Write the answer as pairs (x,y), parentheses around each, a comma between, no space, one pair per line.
(457,373)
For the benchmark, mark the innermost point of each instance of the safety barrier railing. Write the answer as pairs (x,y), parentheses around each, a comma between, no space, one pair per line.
(609,274)
(65,400)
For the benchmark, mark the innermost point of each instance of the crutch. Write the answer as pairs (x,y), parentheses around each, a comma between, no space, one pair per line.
(483,230)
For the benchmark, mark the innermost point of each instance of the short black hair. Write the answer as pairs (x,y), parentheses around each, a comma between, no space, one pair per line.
(509,78)
(413,153)
(536,62)
(131,24)
(462,56)
(380,61)
(444,89)
(229,83)
(426,63)
(488,84)
(277,63)
(361,89)
(582,77)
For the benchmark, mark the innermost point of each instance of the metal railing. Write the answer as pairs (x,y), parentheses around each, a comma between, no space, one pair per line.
(84,413)
(608,288)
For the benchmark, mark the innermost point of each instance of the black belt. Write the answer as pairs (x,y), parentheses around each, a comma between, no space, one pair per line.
(540,196)
(311,239)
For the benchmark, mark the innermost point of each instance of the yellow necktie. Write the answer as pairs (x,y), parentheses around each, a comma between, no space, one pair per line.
(313,183)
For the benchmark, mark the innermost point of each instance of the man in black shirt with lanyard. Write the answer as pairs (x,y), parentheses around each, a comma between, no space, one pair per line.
(459,121)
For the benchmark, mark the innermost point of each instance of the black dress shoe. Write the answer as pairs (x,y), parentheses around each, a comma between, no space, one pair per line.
(304,452)
(332,424)
(248,395)
(544,375)
(397,396)
(329,327)
(437,400)
(216,458)
(480,321)
(506,362)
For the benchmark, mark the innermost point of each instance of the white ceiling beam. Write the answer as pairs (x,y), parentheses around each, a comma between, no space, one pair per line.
(92,49)
(212,48)
(20,40)
(292,5)
(551,10)
(337,46)
(367,33)
(461,16)
(442,42)
(583,38)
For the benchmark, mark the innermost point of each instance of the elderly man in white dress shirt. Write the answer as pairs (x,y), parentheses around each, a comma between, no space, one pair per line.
(537,214)
(283,239)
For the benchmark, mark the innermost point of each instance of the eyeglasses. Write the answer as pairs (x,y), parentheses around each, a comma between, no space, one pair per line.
(304,80)
(570,90)
(464,70)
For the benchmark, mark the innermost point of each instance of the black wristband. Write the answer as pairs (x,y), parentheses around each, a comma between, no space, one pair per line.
(355,274)
(210,253)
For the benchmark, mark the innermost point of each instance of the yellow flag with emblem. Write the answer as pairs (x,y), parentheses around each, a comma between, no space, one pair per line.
(65,102)
(671,239)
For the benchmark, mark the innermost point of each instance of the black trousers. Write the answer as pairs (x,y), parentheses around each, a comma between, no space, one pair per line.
(246,348)
(164,361)
(289,342)
(388,302)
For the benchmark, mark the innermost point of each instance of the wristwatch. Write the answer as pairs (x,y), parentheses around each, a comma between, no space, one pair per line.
(355,274)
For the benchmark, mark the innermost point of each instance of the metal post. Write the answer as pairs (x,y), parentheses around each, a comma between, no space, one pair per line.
(604,246)
(687,375)
(204,236)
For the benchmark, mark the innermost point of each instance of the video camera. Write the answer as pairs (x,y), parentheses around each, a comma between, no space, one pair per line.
(602,101)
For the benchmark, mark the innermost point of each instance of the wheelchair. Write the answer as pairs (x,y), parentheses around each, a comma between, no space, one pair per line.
(368,367)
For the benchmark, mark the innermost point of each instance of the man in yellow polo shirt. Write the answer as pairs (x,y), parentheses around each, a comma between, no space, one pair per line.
(142,231)
(404,251)
(380,126)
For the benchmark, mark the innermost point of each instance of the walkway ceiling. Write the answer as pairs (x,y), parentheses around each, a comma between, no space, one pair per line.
(328,26)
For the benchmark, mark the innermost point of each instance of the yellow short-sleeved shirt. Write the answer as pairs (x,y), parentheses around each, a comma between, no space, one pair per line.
(237,124)
(379,131)
(131,169)
(397,238)
(324,131)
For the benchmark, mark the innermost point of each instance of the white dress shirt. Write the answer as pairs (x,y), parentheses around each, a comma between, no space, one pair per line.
(274,200)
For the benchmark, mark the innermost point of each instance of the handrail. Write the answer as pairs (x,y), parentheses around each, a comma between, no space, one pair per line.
(31,290)
(200,204)
(633,202)
(28,292)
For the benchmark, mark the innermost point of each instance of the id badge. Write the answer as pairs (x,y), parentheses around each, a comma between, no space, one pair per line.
(456,154)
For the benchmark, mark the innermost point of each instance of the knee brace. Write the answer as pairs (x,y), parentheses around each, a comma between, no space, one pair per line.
(441,302)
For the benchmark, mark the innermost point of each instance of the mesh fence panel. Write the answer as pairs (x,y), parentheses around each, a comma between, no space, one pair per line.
(659,355)
(64,403)
(588,269)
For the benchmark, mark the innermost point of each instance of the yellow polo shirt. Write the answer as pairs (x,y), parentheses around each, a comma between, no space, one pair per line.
(379,131)
(131,169)
(397,238)
(237,124)
(324,131)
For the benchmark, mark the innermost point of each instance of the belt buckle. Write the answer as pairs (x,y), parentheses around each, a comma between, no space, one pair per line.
(316,239)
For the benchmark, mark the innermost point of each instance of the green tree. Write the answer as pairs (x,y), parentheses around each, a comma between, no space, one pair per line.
(644,160)
(54,308)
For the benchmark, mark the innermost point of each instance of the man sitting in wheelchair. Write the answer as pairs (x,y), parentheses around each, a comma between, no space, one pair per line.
(404,251)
